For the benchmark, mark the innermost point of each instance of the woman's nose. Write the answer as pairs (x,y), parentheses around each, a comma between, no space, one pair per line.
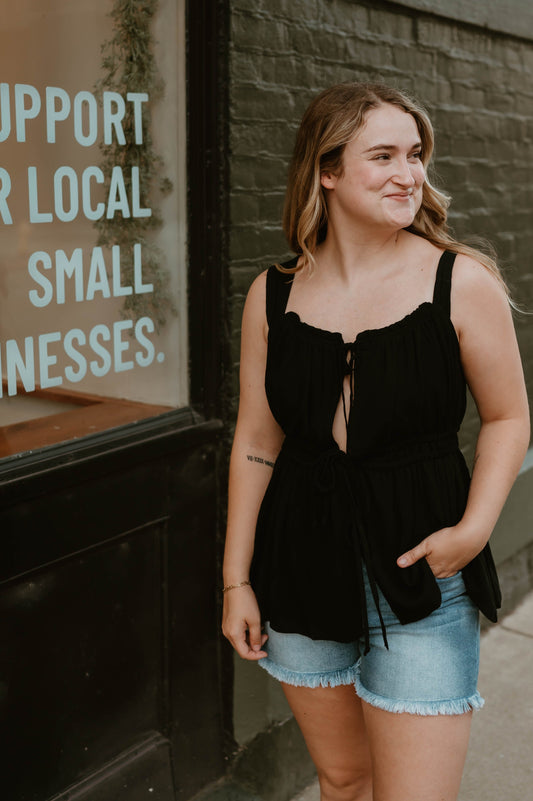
(404,174)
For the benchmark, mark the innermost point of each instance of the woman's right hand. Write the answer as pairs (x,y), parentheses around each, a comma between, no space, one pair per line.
(241,623)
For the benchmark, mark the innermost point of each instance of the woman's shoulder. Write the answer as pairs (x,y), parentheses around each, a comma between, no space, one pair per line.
(471,276)
(270,282)
(256,296)
(259,282)
(478,299)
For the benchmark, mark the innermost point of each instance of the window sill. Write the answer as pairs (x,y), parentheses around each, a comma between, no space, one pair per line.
(84,414)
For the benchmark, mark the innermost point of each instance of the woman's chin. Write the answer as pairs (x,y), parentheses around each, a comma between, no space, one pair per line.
(401,220)
(400,213)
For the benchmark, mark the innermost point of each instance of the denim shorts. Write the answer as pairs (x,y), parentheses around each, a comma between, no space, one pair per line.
(430,668)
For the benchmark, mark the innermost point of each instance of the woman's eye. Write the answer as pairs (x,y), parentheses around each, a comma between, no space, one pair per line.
(382,157)
(417,154)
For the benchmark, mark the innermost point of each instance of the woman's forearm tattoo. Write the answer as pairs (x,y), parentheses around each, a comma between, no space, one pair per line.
(259,460)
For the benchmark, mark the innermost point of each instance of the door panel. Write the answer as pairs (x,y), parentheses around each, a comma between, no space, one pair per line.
(109,628)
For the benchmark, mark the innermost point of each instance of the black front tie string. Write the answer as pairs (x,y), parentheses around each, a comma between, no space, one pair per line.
(364,557)
(326,468)
(359,539)
(361,585)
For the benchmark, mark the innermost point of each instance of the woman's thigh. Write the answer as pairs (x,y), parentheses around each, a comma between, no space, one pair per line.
(410,717)
(317,677)
(416,757)
(332,723)
(418,696)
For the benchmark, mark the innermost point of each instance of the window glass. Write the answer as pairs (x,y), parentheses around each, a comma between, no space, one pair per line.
(92,217)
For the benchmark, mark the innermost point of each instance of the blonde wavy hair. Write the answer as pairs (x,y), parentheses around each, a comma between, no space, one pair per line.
(331,120)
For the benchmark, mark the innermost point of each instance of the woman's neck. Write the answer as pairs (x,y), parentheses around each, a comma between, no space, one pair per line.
(348,257)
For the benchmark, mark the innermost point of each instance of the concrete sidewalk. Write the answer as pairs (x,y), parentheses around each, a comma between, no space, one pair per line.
(499,765)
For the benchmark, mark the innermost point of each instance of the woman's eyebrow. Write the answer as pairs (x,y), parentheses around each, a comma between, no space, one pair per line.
(389,147)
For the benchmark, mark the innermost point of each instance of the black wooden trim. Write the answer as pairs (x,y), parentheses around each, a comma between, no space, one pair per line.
(117,766)
(207,126)
(31,472)
(7,576)
(208,222)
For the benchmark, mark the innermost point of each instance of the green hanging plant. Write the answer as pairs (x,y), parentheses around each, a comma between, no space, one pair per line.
(128,65)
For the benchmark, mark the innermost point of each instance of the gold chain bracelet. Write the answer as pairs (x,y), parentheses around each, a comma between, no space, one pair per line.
(234,586)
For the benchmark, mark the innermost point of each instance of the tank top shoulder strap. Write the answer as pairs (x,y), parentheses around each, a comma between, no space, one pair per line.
(278,286)
(443,282)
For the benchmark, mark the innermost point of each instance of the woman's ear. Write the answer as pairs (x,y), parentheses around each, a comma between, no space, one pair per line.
(328,180)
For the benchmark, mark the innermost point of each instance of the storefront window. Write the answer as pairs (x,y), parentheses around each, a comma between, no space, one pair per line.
(92,217)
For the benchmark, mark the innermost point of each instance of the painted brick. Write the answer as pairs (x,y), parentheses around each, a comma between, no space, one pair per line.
(253,241)
(458,67)
(475,83)
(242,278)
(435,34)
(255,207)
(265,33)
(513,128)
(334,13)
(432,90)
(469,95)
(504,244)
(274,138)
(360,52)
(245,205)
(332,45)
(261,103)
(294,10)
(498,100)
(527,59)
(513,58)
(284,69)
(261,172)
(397,26)
(412,60)
(474,42)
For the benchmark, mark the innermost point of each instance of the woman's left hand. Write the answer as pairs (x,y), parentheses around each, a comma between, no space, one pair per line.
(446,551)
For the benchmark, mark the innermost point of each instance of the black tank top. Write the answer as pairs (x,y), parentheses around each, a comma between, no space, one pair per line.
(327,512)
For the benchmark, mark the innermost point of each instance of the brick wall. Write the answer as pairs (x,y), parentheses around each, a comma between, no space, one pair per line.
(475,83)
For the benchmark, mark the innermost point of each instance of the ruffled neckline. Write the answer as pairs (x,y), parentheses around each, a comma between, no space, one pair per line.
(337,338)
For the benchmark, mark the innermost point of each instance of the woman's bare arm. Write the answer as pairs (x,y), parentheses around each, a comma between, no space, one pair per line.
(256,444)
(491,362)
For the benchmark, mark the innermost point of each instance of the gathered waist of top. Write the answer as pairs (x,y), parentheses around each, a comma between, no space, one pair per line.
(398,455)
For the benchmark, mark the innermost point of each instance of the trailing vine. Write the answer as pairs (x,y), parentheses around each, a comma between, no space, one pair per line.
(128,65)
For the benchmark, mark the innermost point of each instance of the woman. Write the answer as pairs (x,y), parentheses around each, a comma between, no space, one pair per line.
(354,531)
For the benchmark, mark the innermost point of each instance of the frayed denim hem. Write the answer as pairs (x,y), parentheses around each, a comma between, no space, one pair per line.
(452,706)
(334,678)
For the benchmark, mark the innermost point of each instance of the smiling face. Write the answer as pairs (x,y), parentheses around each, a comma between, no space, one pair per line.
(382,178)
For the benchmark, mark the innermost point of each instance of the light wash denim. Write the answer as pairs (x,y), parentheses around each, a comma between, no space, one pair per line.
(430,668)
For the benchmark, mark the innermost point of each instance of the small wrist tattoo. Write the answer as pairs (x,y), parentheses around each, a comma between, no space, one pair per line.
(259,460)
